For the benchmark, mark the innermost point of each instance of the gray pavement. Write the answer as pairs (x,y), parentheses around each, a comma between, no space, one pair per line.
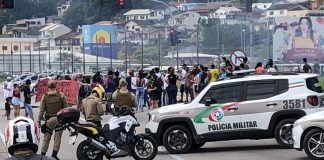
(226,150)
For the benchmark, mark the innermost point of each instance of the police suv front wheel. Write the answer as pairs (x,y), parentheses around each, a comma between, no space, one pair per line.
(283,133)
(177,139)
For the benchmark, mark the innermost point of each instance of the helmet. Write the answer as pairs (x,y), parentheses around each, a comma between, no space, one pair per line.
(22,132)
(98,90)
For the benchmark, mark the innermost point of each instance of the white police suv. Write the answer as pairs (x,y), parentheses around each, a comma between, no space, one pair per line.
(249,107)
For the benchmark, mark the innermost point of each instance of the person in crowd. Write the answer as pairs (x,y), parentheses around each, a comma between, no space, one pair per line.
(271,68)
(22,139)
(146,94)
(140,84)
(259,68)
(160,78)
(124,97)
(317,67)
(223,74)
(84,91)
(229,71)
(117,78)
(165,99)
(246,66)
(172,86)
(202,78)
(189,84)
(130,81)
(213,73)
(196,82)
(228,63)
(52,102)
(223,63)
(27,103)
(307,68)
(183,81)
(96,77)
(92,107)
(10,88)
(152,89)
(270,63)
(16,100)
(5,94)
(110,88)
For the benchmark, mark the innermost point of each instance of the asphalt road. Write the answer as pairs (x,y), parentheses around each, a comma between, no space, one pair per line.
(225,150)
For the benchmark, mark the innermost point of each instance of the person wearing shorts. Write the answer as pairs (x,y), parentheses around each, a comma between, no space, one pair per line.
(16,100)
(27,102)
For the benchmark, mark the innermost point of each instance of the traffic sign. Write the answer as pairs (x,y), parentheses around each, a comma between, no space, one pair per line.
(237,57)
(172,22)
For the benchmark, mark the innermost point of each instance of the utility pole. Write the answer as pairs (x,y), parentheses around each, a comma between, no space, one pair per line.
(142,50)
(3,60)
(20,58)
(39,59)
(218,41)
(84,70)
(251,38)
(159,43)
(30,59)
(97,60)
(60,54)
(72,63)
(111,54)
(197,41)
(49,54)
(126,51)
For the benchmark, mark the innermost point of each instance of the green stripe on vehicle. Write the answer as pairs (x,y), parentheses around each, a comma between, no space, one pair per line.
(198,118)
(296,83)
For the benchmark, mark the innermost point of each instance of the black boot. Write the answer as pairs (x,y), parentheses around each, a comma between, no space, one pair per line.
(54,155)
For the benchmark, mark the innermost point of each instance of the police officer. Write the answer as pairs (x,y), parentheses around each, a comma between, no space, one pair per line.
(52,102)
(124,97)
(92,107)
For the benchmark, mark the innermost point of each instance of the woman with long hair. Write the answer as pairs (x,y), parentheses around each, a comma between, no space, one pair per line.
(172,86)
(140,84)
(16,100)
(304,36)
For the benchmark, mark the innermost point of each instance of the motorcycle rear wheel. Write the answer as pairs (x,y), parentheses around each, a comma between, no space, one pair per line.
(147,151)
(85,152)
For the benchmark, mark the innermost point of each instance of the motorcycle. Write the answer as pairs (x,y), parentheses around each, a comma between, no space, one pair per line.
(116,139)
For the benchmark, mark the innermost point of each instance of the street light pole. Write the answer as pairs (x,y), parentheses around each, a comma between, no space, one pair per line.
(49,54)
(20,58)
(125,52)
(60,54)
(72,63)
(142,50)
(197,41)
(111,54)
(159,43)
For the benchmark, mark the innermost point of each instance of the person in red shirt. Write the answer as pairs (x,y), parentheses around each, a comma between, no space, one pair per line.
(259,68)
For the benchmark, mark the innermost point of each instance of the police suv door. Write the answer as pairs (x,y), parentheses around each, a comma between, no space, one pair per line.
(216,121)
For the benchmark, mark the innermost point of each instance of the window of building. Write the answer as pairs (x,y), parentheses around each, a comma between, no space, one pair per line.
(265,6)
(224,93)
(4,48)
(282,12)
(142,17)
(260,89)
(135,17)
(15,48)
(133,27)
(27,48)
(271,13)
(127,18)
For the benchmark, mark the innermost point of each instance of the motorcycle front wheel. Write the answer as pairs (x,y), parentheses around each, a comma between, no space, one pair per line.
(86,152)
(145,149)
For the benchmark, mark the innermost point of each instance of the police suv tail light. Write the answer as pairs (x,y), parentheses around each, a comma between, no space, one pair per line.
(313,100)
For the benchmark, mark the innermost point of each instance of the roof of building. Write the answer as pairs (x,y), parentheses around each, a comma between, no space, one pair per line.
(210,6)
(68,35)
(137,12)
(193,54)
(51,27)
(142,22)
(27,31)
(286,6)
(229,9)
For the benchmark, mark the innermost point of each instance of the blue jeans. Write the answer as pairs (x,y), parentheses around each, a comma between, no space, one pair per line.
(172,91)
(28,109)
(140,98)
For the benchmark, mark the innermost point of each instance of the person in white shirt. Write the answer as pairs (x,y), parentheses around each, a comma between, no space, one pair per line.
(10,88)
(183,81)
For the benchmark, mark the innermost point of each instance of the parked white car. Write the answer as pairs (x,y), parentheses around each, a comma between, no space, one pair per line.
(308,134)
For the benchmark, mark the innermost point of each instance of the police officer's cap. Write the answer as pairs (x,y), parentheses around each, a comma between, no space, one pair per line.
(51,84)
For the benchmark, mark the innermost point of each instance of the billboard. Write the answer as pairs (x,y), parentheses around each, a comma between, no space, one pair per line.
(100,40)
(296,38)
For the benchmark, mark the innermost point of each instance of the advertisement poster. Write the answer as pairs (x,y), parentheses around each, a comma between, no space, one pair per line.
(295,38)
(100,40)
